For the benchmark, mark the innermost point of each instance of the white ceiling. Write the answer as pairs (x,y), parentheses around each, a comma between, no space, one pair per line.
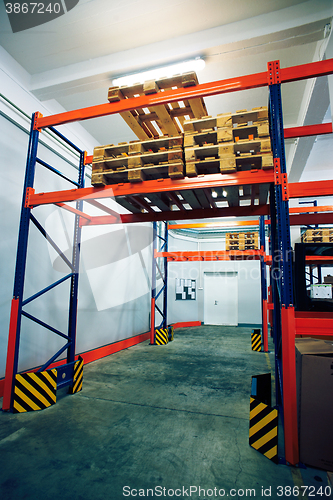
(72,60)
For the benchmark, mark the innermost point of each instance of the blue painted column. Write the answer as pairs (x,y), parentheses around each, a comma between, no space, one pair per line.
(74,287)
(21,258)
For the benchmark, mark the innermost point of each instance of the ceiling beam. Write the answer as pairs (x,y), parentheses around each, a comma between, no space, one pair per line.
(290,24)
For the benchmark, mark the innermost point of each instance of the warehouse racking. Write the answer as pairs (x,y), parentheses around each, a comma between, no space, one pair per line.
(195,192)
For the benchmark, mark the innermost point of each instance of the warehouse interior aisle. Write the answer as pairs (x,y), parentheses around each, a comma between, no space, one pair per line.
(148,418)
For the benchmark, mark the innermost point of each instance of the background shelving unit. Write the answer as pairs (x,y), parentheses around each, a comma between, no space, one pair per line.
(195,193)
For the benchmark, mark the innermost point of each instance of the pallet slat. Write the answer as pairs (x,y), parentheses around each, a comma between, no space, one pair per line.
(163,117)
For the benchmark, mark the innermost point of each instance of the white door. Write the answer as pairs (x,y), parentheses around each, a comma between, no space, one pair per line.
(221,298)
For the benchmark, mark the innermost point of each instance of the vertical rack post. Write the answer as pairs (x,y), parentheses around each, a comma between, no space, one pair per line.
(153,286)
(276,314)
(165,289)
(282,266)
(73,299)
(263,282)
(21,258)
(157,236)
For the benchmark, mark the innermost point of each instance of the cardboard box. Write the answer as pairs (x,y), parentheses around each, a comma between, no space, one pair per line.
(314,375)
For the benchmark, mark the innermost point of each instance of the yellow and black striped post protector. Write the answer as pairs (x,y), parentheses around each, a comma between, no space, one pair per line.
(35,391)
(256,340)
(171,333)
(77,377)
(263,435)
(161,336)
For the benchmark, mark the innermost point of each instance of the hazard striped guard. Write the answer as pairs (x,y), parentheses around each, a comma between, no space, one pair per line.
(35,391)
(161,336)
(256,340)
(77,377)
(264,429)
(171,332)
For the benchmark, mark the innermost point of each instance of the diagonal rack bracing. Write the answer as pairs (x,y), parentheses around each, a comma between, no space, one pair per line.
(131,196)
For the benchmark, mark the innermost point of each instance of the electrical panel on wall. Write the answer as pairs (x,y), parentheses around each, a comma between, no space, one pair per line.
(185,289)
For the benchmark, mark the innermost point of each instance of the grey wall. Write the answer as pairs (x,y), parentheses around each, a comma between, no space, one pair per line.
(115,273)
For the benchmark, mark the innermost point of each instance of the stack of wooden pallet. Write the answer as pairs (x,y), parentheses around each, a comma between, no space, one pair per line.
(228,142)
(242,241)
(138,161)
(318,236)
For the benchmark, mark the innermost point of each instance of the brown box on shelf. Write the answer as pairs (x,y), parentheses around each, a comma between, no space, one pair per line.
(314,375)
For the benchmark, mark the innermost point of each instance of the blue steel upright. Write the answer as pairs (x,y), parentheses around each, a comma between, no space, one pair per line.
(282,263)
(73,300)
(20,270)
(21,259)
(165,291)
(162,243)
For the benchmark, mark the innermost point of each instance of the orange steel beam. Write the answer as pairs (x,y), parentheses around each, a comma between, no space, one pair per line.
(309,189)
(200,213)
(319,258)
(306,219)
(255,80)
(155,186)
(74,211)
(308,130)
(211,255)
(296,189)
(300,210)
(313,259)
(202,225)
(148,101)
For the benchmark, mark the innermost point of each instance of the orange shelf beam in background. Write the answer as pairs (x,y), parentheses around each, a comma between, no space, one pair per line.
(309,189)
(203,225)
(212,255)
(308,130)
(210,181)
(306,210)
(256,80)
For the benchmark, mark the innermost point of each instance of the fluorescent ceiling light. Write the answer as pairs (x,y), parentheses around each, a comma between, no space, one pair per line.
(156,73)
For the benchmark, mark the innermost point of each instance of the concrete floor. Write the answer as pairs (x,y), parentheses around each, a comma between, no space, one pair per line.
(148,418)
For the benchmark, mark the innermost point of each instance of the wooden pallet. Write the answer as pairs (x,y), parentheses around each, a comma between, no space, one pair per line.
(242,241)
(239,141)
(114,163)
(227,134)
(226,164)
(138,174)
(132,148)
(257,117)
(164,119)
(241,247)
(317,236)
